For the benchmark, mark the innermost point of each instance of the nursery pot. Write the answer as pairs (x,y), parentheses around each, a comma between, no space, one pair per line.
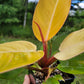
(40,77)
(69,80)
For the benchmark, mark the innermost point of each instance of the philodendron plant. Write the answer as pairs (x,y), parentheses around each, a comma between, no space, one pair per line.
(49,17)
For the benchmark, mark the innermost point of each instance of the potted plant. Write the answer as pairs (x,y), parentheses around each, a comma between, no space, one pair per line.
(49,17)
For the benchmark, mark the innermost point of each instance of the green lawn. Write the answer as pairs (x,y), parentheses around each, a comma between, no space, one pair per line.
(19,79)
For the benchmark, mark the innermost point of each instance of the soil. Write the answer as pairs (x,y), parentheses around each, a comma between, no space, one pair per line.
(40,77)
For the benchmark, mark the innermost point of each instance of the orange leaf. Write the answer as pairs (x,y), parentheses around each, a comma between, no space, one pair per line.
(50,15)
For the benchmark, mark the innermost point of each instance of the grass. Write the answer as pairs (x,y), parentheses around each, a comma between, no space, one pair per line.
(19,79)
(79,79)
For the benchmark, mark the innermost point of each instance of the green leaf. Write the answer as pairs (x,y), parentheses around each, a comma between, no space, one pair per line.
(54,80)
(12,74)
(51,81)
(58,77)
(73,66)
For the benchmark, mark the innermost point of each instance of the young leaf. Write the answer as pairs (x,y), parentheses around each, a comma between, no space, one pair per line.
(18,54)
(72,46)
(50,15)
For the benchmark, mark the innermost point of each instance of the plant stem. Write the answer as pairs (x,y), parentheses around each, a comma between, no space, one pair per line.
(50,61)
(44,59)
(45,51)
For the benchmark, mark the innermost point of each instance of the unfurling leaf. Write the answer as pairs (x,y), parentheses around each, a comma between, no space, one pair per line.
(72,46)
(50,16)
(18,54)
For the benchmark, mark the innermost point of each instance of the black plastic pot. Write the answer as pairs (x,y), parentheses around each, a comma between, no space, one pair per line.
(68,81)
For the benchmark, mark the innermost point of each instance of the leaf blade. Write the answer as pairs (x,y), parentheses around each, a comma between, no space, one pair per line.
(49,18)
(19,46)
(73,38)
(51,81)
(70,52)
(72,46)
(12,57)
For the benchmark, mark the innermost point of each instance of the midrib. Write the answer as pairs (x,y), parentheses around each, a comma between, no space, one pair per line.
(51,21)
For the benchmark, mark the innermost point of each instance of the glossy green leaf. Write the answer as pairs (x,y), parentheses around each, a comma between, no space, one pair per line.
(73,66)
(50,16)
(18,54)
(58,77)
(54,80)
(51,81)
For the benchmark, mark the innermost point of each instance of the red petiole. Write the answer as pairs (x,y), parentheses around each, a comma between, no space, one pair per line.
(44,62)
(50,61)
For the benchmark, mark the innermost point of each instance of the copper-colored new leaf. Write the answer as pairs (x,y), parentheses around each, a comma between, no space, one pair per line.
(50,15)
(72,46)
(18,54)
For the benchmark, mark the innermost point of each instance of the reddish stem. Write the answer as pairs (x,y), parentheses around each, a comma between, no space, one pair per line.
(45,49)
(50,61)
(44,59)
(40,32)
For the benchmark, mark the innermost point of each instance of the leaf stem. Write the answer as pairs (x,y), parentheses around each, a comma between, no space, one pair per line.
(44,59)
(50,61)
(45,48)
